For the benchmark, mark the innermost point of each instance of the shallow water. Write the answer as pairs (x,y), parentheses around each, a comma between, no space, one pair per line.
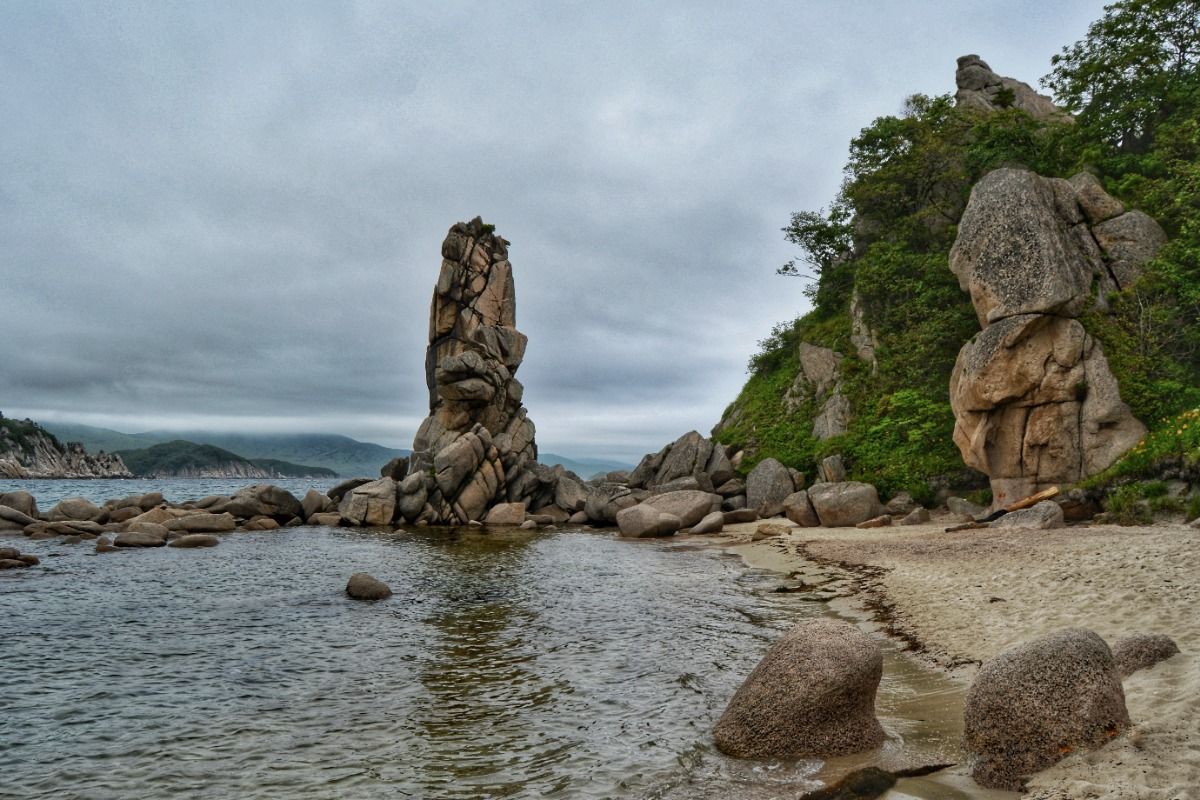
(569,664)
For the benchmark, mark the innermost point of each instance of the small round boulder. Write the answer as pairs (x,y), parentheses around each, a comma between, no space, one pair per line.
(1038,702)
(813,694)
(1141,651)
(363,587)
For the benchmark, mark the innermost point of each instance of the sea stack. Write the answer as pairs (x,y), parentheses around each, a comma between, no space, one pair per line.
(476,448)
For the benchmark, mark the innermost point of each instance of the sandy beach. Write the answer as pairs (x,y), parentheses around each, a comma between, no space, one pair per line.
(957,599)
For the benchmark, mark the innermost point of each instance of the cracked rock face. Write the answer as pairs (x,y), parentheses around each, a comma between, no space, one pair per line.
(1035,402)
(476,448)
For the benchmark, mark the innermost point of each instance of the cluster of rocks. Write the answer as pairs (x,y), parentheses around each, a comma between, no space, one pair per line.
(12,558)
(813,695)
(148,520)
(1035,402)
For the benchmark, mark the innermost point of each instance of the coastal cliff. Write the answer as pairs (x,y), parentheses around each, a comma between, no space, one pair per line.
(29,451)
(1074,251)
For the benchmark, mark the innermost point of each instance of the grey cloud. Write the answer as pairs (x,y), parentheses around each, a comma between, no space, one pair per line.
(228,215)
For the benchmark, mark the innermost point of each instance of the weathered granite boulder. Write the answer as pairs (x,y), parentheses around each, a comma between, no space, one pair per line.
(1043,516)
(1035,402)
(832,469)
(605,501)
(13,520)
(1141,651)
(477,440)
(690,506)
(840,505)
(152,528)
(202,523)
(138,539)
(646,520)
(396,469)
(983,90)
(767,486)
(691,456)
(506,514)
(410,497)
(918,516)
(21,501)
(73,508)
(813,694)
(339,491)
(362,586)
(372,504)
(264,500)
(1038,702)
(314,503)
(799,509)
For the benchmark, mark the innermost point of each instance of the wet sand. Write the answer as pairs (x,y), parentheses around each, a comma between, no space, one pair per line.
(957,599)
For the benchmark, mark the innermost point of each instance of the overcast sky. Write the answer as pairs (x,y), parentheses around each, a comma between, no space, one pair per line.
(229,215)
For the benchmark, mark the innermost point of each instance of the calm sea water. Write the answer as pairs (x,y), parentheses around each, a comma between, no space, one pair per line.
(49,492)
(569,664)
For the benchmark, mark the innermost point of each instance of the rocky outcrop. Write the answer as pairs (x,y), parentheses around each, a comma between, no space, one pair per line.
(820,380)
(28,451)
(813,694)
(476,448)
(690,456)
(983,90)
(1035,402)
(1039,702)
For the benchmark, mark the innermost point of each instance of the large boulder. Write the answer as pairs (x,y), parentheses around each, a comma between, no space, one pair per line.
(605,501)
(813,694)
(314,503)
(689,506)
(21,501)
(264,500)
(193,540)
(840,505)
(767,486)
(692,457)
(410,497)
(138,539)
(372,504)
(645,520)
(1038,702)
(73,508)
(799,509)
(1034,400)
(203,523)
(506,514)
(13,520)
(340,490)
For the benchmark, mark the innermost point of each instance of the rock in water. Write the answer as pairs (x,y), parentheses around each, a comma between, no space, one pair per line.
(362,586)
(1038,702)
(476,448)
(813,694)
(1034,400)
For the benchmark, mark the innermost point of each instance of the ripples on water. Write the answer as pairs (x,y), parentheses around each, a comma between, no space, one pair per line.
(568,664)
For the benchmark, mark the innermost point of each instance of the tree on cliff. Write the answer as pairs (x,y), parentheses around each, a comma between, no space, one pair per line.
(1135,68)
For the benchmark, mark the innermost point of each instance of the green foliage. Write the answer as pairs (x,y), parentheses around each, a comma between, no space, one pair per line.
(759,421)
(1134,68)
(183,457)
(22,435)
(1173,443)
(902,443)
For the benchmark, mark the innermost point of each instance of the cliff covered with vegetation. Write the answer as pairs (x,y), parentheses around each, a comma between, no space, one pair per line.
(866,372)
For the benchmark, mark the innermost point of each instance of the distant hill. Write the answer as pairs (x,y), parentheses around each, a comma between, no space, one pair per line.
(183,459)
(345,456)
(583,467)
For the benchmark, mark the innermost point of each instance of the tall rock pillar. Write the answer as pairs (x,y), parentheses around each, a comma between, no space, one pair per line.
(476,448)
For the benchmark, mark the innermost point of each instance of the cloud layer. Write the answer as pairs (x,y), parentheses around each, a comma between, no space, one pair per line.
(228,215)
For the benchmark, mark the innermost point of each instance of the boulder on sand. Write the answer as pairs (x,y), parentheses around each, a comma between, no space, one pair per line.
(644,520)
(711,523)
(362,586)
(813,694)
(1043,516)
(799,510)
(1038,702)
(767,486)
(841,505)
